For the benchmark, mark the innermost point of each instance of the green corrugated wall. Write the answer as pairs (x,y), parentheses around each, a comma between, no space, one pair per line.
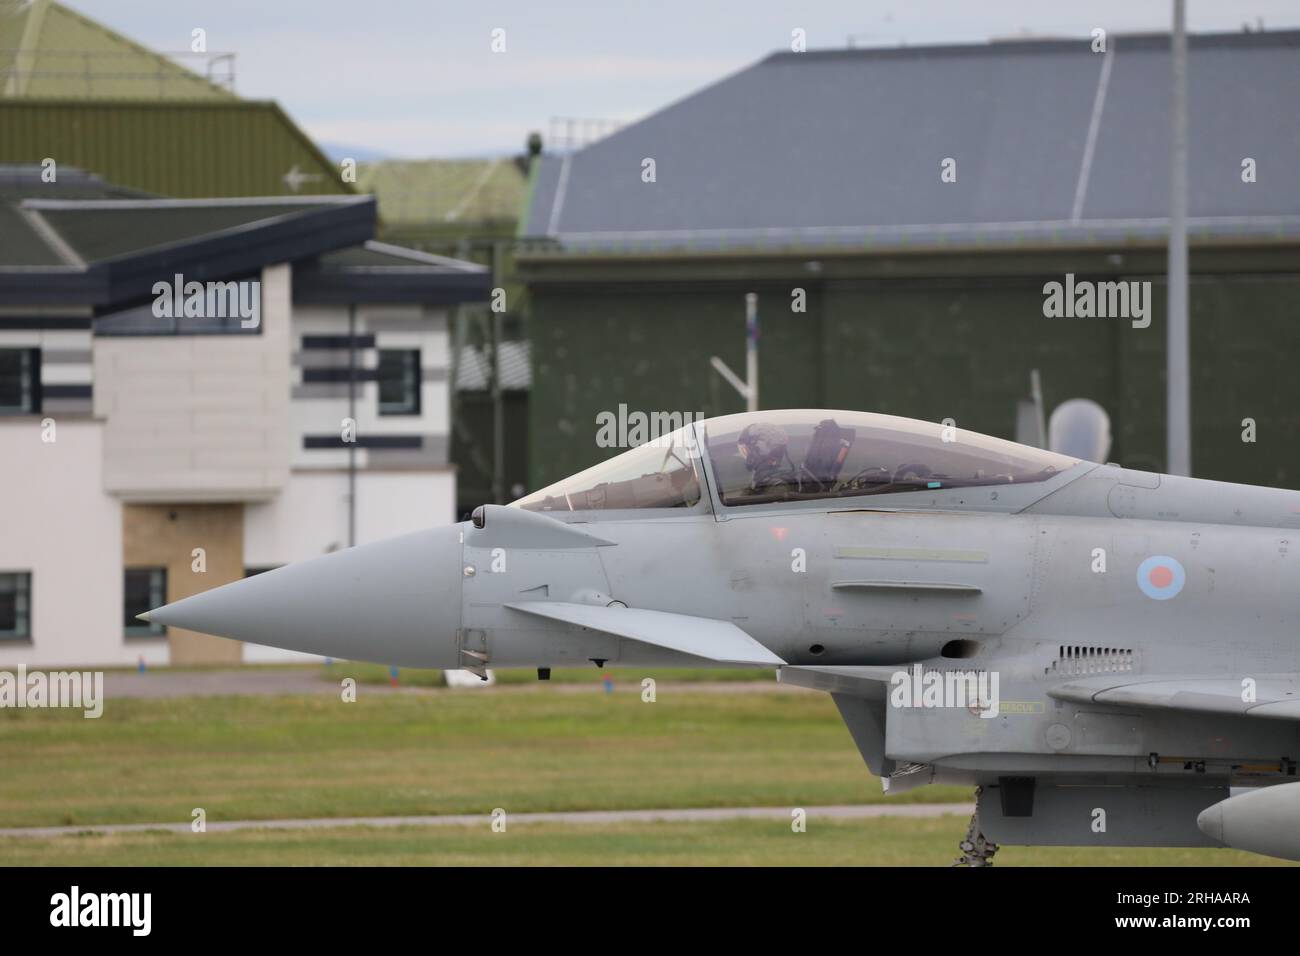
(179,149)
(930,348)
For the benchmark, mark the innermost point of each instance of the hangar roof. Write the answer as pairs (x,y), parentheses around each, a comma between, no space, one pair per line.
(413,192)
(1054,145)
(73,89)
(48,50)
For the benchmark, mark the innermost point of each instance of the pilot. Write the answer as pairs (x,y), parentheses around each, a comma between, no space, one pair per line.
(763,446)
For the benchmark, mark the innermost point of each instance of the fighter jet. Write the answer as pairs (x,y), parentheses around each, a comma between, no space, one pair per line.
(1108,656)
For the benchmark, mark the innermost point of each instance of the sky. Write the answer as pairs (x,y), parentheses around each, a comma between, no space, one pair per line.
(415,78)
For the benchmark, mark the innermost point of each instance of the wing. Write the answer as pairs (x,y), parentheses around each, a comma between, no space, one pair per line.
(854,680)
(1269,695)
(703,637)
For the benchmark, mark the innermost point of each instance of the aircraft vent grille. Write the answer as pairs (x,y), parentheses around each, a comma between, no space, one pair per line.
(1076,659)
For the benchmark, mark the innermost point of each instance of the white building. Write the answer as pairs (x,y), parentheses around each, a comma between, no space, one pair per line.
(148,453)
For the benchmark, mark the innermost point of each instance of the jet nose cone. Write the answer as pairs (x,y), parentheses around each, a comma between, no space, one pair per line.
(391,602)
(1210,822)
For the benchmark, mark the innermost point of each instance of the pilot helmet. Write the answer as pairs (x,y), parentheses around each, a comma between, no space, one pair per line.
(761,442)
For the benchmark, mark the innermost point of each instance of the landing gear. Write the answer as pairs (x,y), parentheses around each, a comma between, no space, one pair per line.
(976,849)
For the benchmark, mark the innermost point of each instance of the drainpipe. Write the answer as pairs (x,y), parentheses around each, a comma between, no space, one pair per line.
(498,400)
(1178,440)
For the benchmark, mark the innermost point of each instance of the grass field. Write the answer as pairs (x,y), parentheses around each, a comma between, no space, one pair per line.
(274,757)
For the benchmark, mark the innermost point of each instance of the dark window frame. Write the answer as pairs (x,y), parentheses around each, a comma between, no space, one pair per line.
(33,399)
(138,320)
(17,635)
(132,628)
(411,377)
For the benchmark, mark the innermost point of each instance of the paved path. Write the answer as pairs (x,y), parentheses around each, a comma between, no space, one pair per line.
(269,681)
(249,681)
(853,812)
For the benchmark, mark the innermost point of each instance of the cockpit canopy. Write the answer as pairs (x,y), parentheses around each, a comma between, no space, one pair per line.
(797,455)
(663,473)
(801,455)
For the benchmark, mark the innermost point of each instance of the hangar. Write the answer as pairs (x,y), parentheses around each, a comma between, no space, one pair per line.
(823,172)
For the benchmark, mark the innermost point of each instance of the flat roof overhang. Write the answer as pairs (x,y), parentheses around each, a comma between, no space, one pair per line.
(122,280)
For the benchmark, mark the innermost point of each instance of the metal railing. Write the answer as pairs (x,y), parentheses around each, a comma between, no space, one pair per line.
(91,72)
(567,133)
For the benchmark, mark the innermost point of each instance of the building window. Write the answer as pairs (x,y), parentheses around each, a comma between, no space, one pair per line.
(20,381)
(15,606)
(145,589)
(399,381)
(225,308)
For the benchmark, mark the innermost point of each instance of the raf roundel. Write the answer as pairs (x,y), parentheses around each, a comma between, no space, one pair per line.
(1161,577)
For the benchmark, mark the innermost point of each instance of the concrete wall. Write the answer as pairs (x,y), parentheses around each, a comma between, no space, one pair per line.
(310,517)
(199,417)
(57,523)
(65,366)
(319,408)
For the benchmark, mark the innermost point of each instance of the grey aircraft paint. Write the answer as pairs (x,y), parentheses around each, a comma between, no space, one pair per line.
(1139,629)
